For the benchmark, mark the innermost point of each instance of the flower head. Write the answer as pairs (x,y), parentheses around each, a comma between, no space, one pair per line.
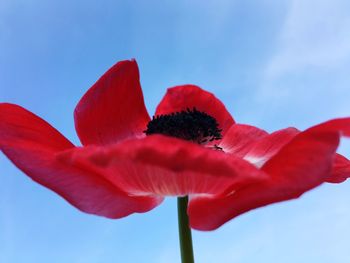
(192,146)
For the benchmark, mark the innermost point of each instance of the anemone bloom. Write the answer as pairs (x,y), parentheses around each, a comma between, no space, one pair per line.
(192,147)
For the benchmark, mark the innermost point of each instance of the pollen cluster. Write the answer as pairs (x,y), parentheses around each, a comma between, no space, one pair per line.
(190,125)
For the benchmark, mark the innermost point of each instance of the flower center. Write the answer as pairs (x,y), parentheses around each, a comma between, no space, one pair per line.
(190,125)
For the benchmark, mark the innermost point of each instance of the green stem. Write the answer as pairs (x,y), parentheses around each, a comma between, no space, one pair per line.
(184,231)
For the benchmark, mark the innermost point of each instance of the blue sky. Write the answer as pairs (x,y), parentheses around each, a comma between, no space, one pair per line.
(273,63)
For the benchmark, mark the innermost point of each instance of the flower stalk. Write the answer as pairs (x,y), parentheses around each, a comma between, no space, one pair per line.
(185,234)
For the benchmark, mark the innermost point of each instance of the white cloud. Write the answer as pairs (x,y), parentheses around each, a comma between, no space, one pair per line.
(316,33)
(309,68)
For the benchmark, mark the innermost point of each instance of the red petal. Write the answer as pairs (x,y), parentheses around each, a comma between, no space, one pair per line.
(240,138)
(32,144)
(165,166)
(253,144)
(341,165)
(113,108)
(189,96)
(266,147)
(304,163)
(340,126)
(19,127)
(340,170)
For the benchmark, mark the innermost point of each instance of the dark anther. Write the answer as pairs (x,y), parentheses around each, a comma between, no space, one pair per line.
(190,124)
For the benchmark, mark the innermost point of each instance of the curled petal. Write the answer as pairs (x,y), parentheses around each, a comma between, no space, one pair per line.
(113,109)
(240,138)
(341,165)
(189,96)
(165,166)
(302,164)
(340,170)
(32,144)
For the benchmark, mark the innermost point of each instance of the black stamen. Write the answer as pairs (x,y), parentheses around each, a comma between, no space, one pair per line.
(190,124)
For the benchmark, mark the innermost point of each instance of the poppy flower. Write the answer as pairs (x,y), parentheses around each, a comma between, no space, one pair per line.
(191,147)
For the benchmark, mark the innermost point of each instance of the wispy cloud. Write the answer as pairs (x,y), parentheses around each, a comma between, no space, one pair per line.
(308,72)
(315,34)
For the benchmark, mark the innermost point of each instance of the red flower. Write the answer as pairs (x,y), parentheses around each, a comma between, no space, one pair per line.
(226,168)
